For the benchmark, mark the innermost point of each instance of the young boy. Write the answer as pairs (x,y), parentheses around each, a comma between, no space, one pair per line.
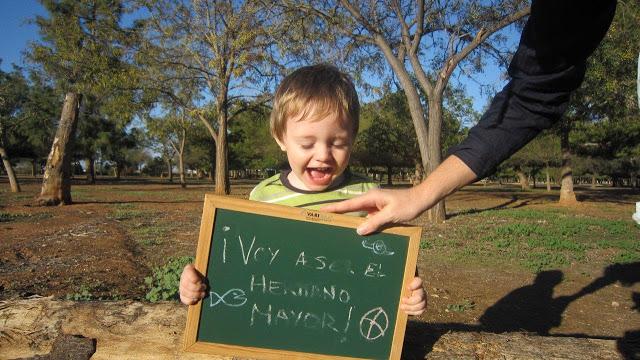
(314,120)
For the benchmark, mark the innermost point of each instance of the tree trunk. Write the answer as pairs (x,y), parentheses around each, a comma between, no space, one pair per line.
(116,171)
(170,170)
(222,171)
(532,180)
(13,181)
(130,329)
(417,175)
(593,181)
(567,195)
(183,181)
(438,212)
(34,172)
(91,171)
(389,173)
(523,180)
(56,181)
(548,179)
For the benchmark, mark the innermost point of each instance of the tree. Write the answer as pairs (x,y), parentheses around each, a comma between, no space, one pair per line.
(119,146)
(172,129)
(38,120)
(82,48)
(541,152)
(212,49)
(425,41)
(387,139)
(13,94)
(607,95)
(251,143)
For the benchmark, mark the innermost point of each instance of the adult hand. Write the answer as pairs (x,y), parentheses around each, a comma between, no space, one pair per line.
(397,206)
(383,206)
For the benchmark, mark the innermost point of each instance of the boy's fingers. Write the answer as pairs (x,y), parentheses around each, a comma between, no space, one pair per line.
(415,284)
(413,300)
(417,309)
(191,297)
(193,287)
(190,274)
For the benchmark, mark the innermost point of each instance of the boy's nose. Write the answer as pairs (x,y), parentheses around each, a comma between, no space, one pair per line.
(323,153)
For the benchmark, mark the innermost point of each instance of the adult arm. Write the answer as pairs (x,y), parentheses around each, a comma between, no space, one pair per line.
(398,206)
(547,67)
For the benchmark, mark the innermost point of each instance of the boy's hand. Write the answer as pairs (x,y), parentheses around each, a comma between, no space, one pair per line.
(416,303)
(192,287)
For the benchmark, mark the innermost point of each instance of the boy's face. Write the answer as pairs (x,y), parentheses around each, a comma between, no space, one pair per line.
(318,150)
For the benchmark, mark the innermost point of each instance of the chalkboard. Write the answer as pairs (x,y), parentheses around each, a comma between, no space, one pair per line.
(286,282)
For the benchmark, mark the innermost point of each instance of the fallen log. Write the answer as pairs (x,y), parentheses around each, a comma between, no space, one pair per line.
(29,328)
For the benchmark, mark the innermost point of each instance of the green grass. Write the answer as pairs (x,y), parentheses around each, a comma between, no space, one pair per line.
(144,227)
(466,305)
(150,234)
(536,239)
(9,217)
(126,212)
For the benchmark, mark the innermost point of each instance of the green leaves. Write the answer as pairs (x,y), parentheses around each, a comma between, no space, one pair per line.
(165,281)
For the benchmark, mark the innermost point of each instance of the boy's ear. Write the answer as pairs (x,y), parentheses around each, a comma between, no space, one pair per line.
(281,144)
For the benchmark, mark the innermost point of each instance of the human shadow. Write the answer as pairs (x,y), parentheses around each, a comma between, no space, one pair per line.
(504,205)
(629,344)
(531,308)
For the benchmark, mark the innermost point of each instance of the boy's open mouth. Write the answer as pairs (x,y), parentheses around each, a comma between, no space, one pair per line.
(320,175)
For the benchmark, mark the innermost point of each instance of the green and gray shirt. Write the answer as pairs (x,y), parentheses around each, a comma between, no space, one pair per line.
(278,190)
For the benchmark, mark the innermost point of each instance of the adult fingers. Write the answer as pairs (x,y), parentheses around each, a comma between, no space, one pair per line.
(374,222)
(364,202)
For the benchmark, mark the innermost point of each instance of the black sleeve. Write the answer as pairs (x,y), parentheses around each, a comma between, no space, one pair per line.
(548,65)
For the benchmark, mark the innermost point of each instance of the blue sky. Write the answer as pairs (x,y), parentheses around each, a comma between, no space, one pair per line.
(16,33)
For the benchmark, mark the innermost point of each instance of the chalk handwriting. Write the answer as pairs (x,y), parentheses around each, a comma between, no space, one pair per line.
(233,298)
(257,253)
(271,316)
(322,263)
(325,292)
(374,270)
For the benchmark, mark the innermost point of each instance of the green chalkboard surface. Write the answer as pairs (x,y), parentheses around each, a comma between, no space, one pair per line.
(292,282)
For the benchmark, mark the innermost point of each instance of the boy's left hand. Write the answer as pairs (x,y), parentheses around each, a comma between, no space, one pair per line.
(416,302)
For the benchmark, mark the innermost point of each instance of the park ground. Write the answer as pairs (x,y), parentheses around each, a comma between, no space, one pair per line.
(504,260)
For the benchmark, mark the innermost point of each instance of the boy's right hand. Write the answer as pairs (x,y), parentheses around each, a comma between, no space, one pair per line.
(192,287)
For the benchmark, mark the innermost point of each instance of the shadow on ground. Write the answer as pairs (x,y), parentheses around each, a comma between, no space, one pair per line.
(532,309)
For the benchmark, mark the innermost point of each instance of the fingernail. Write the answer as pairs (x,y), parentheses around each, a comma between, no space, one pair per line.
(362,230)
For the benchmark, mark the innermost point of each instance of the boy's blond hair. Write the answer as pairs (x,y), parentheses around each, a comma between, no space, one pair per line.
(318,90)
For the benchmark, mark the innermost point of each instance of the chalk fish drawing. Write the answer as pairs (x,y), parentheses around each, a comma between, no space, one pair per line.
(378,247)
(233,298)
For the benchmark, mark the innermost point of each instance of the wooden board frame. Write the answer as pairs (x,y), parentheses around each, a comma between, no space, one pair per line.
(214,202)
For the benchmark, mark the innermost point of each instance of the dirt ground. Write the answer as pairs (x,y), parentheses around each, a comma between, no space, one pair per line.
(105,245)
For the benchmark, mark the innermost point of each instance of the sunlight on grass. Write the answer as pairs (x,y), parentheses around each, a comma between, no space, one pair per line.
(536,239)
